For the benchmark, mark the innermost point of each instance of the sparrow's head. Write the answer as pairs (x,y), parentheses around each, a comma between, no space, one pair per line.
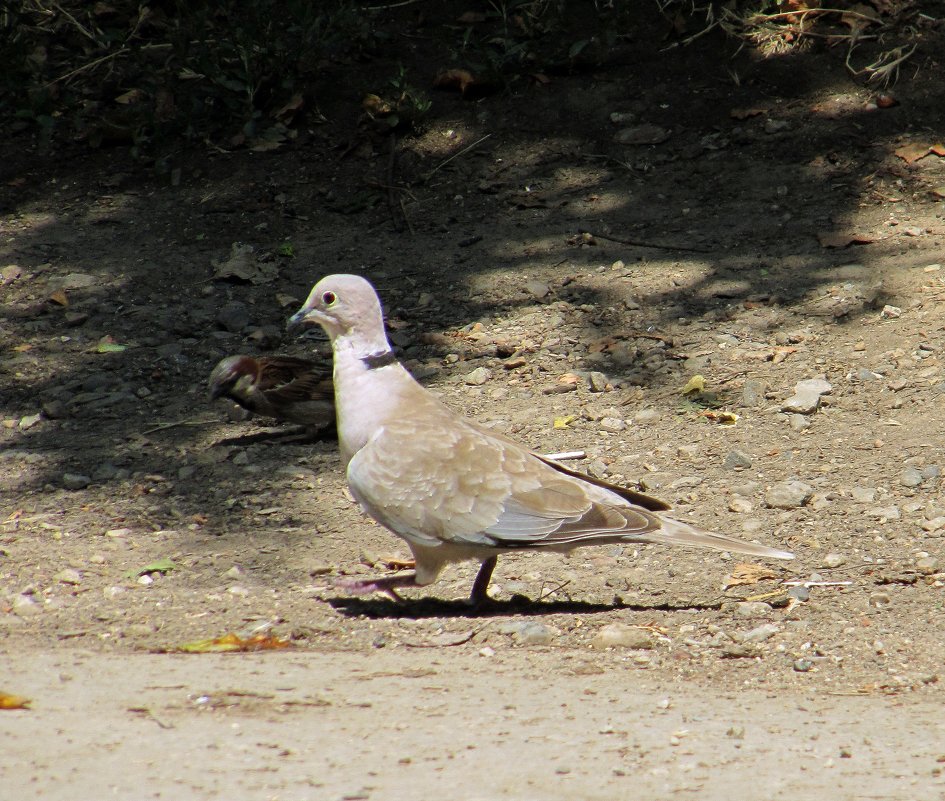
(229,372)
(345,306)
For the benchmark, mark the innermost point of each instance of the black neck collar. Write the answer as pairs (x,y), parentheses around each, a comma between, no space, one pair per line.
(374,360)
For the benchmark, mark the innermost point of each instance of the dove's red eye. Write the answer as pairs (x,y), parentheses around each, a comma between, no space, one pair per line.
(328,298)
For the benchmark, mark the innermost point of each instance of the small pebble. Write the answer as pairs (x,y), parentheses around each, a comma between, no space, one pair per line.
(802,665)
(911,477)
(25,606)
(788,495)
(752,609)
(69,576)
(75,481)
(880,600)
(737,460)
(800,593)
(739,505)
(620,635)
(598,382)
(834,560)
(759,634)
(612,425)
(927,565)
(478,377)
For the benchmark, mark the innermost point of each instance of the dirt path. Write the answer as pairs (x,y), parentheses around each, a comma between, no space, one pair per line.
(534,725)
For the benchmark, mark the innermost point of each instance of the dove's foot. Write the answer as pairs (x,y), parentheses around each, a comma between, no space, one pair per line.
(386,585)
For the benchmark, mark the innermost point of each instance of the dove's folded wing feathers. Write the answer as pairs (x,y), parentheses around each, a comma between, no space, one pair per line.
(454,484)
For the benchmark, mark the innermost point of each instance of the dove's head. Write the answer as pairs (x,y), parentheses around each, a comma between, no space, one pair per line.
(345,306)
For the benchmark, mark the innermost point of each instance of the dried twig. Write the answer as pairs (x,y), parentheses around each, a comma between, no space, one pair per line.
(640,244)
(465,150)
(166,426)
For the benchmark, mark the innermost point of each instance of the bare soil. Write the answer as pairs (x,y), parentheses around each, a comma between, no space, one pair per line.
(513,255)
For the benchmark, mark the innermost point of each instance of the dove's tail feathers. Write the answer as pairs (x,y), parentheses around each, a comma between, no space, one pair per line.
(673,532)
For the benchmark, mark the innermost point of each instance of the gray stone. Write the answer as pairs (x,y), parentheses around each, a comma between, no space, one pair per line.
(538,289)
(75,481)
(233,317)
(753,393)
(612,425)
(73,281)
(105,472)
(646,416)
(911,477)
(865,376)
(886,512)
(598,381)
(752,609)
(535,634)
(798,422)
(620,635)
(805,402)
(931,471)
(800,593)
(478,377)
(69,576)
(25,605)
(746,488)
(737,460)
(759,634)
(55,409)
(30,420)
(834,560)
(788,495)
(863,494)
(927,565)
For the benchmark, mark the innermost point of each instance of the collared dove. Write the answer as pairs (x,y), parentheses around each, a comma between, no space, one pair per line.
(289,389)
(450,488)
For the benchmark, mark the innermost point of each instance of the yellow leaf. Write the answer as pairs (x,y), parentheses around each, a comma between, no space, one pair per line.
(59,298)
(694,384)
(23,348)
(722,418)
(564,422)
(8,701)
(231,642)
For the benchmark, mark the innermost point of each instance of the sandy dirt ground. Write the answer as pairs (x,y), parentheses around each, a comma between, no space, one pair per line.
(791,235)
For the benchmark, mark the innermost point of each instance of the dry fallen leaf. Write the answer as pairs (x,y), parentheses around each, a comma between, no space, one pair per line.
(59,298)
(233,643)
(694,384)
(8,701)
(564,422)
(831,239)
(914,151)
(745,113)
(745,573)
(723,418)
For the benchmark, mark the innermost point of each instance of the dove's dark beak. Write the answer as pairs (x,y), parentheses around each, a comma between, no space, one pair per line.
(301,320)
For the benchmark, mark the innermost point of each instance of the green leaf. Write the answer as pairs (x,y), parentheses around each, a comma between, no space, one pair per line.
(162,566)
(110,347)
